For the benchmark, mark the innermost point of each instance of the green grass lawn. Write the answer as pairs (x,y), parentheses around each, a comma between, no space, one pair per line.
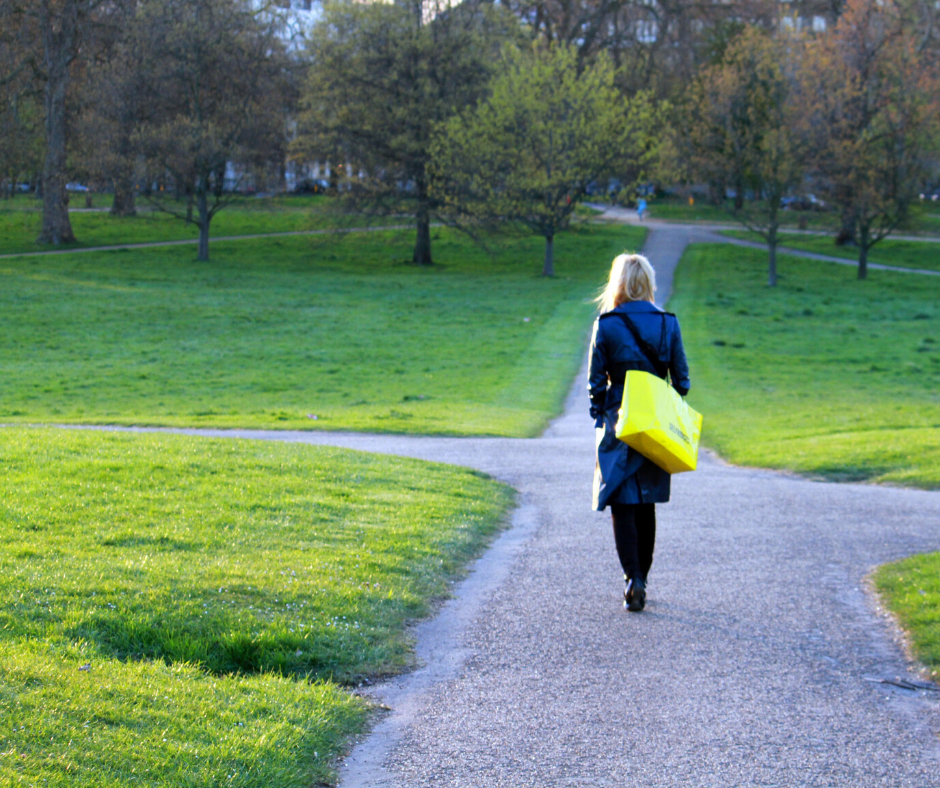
(20,222)
(28,202)
(220,593)
(930,222)
(911,590)
(823,375)
(681,211)
(285,201)
(273,332)
(905,254)
(703,211)
(922,218)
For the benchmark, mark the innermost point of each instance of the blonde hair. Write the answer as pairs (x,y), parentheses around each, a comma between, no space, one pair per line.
(631,279)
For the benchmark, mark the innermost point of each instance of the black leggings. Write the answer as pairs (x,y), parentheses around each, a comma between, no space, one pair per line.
(635,535)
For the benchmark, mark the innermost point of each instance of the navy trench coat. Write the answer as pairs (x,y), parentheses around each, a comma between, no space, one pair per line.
(621,474)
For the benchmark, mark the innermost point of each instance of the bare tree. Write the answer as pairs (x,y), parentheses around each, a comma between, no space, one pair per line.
(213,95)
(111,95)
(20,117)
(743,128)
(871,97)
(51,34)
(660,44)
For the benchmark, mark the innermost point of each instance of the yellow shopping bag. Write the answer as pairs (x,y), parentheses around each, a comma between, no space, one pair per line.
(658,423)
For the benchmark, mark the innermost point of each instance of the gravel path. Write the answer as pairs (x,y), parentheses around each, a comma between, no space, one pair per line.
(757,662)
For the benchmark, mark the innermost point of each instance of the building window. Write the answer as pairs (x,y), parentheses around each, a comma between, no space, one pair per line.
(646,31)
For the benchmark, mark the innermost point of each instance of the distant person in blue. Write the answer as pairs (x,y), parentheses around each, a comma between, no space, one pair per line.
(641,208)
(630,333)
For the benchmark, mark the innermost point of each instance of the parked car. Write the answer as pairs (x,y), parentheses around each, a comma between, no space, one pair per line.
(804,202)
(75,187)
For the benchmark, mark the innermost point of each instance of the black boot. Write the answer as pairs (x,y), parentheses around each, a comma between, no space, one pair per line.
(635,595)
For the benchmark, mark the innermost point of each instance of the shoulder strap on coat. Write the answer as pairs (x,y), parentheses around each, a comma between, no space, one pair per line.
(653,355)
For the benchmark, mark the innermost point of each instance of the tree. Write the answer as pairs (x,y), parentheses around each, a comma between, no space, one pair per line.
(529,150)
(872,98)
(743,129)
(50,34)
(112,97)
(656,44)
(20,119)
(381,77)
(213,96)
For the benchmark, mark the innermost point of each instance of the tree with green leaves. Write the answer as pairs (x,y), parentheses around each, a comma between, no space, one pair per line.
(743,127)
(381,77)
(545,132)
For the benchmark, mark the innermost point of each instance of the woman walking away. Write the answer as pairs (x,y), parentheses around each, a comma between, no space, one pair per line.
(630,333)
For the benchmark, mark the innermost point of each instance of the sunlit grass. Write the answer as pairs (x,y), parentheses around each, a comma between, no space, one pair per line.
(824,374)
(272,333)
(117,723)
(911,589)
(176,611)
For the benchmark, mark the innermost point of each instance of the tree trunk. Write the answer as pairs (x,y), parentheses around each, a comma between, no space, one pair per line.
(56,227)
(422,255)
(333,181)
(203,203)
(218,186)
(124,201)
(772,265)
(772,241)
(716,193)
(58,42)
(863,244)
(549,268)
(847,233)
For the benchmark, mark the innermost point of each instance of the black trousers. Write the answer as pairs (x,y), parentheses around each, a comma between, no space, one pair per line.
(635,535)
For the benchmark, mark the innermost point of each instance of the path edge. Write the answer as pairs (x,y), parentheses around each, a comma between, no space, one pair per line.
(439,651)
